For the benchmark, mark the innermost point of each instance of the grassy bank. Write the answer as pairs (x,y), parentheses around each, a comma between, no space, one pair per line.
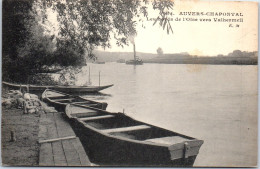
(25,150)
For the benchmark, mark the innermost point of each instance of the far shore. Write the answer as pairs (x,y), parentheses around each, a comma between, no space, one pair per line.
(206,60)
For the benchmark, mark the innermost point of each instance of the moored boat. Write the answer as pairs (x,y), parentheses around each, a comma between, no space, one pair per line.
(59,100)
(119,140)
(61,88)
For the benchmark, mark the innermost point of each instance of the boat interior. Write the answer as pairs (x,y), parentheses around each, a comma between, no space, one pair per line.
(70,99)
(52,94)
(120,125)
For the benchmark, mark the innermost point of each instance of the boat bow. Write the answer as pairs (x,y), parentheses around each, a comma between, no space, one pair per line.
(185,149)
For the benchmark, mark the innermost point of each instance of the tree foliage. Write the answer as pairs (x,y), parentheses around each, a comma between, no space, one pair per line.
(239,53)
(83,25)
(39,45)
(159,51)
(14,12)
(87,24)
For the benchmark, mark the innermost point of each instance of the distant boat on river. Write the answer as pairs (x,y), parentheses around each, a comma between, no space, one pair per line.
(136,61)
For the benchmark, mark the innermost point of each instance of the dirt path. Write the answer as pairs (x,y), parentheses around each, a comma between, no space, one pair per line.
(25,150)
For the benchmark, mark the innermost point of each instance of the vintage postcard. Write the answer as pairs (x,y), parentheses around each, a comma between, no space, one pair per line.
(137,83)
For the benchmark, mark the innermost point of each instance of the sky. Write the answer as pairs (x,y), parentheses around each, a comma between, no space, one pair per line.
(204,38)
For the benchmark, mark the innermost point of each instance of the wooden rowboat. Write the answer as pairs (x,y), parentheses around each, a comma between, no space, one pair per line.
(117,139)
(67,89)
(59,100)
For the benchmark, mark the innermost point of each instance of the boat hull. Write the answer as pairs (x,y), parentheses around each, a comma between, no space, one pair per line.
(67,89)
(115,139)
(115,152)
(60,106)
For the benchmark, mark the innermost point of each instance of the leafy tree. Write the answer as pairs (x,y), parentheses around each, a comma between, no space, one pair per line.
(86,24)
(82,26)
(236,53)
(14,33)
(159,51)
(39,45)
(34,49)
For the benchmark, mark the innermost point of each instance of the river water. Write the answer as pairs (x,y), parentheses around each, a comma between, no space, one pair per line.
(215,103)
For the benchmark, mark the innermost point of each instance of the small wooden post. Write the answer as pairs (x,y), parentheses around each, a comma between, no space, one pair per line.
(25,111)
(12,136)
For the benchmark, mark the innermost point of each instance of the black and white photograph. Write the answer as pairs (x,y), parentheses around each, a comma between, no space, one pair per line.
(129,83)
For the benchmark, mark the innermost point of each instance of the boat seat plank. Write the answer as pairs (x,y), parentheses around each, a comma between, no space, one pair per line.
(123,129)
(76,110)
(86,111)
(90,104)
(168,140)
(96,117)
(84,114)
(54,94)
(87,102)
(63,99)
(57,97)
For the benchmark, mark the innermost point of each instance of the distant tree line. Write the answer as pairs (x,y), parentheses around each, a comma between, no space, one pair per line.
(236,57)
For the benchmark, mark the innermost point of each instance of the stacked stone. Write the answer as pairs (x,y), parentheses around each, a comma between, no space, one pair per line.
(30,103)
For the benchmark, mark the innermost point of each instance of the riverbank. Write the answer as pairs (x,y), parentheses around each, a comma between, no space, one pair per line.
(24,151)
(205,60)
